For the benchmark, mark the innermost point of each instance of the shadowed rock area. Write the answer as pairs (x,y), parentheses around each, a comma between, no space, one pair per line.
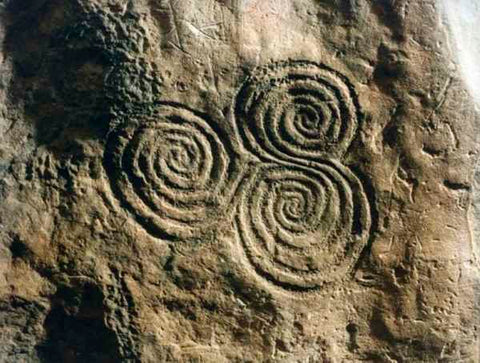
(236,181)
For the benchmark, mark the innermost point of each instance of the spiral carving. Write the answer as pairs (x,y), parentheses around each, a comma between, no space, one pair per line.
(303,227)
(173,170)
(302,217)
(297,110)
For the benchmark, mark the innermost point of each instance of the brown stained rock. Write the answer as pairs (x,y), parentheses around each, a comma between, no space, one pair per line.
(235,181)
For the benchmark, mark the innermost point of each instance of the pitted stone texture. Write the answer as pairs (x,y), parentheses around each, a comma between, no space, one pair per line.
(226,180)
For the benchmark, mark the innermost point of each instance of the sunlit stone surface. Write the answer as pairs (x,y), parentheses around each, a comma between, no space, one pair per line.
(239,181)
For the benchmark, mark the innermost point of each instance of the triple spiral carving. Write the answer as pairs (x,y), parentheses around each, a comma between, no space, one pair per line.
(302,217)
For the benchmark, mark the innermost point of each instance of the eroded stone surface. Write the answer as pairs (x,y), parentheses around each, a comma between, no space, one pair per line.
(273,181)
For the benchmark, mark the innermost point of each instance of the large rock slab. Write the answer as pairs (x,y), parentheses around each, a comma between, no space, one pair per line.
(236,180)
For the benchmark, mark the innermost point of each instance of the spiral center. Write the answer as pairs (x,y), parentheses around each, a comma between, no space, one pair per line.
(181,158)
(308,119)
(294,207)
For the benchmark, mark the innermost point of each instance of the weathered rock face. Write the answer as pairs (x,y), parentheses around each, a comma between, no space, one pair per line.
(235,180)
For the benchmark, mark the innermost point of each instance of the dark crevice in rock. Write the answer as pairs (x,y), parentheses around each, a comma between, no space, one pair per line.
(75,328)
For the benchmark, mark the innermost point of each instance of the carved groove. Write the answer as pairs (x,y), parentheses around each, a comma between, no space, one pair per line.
(173,171)
(303,218)
(297,111)
(303,227)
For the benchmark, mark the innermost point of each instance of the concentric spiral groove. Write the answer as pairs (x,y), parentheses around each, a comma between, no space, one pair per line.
(297,111)
(303,218)
(303,227)
(172,170)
